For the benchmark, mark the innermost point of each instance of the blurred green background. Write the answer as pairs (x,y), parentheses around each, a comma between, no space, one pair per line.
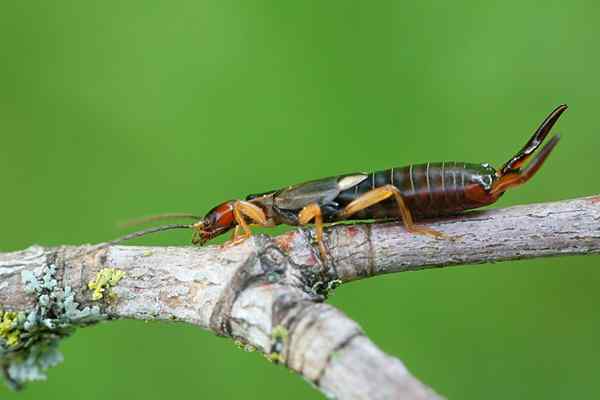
(118,109)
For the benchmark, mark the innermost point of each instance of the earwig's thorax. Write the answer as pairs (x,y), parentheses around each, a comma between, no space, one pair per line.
(264,201)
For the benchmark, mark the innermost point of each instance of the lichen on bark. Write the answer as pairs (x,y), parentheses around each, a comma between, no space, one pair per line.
(29,339)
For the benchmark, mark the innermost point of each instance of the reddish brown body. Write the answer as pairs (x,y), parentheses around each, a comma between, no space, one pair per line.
(429,190)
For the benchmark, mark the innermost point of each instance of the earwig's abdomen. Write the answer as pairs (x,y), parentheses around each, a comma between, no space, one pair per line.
(429,190)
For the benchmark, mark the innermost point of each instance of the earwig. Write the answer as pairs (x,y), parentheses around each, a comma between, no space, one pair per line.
(414,191)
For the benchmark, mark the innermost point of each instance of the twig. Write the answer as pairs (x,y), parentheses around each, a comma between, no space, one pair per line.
(267,293)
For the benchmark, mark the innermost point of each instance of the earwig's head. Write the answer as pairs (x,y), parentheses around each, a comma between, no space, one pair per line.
(216,222)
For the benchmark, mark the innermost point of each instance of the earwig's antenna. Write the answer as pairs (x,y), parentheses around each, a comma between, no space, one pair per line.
(145,232)
(158,217)
(134,235)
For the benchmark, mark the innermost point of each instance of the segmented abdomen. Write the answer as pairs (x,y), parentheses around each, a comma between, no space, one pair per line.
(429,190)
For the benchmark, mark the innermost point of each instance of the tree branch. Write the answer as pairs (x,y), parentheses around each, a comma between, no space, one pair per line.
(267,293)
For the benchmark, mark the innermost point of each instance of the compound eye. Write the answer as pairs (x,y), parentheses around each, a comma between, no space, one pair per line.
(209,219)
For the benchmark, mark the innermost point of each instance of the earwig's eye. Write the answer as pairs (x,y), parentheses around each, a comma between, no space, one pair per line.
(210,219)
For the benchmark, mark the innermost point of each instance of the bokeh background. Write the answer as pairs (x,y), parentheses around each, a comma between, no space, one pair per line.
(118,109)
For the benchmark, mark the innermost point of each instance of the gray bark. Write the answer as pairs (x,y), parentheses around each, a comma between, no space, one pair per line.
(269,292)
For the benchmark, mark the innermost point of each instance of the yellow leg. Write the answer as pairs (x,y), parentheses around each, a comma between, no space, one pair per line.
(380,194)
(236,234)
(308,213)
(242,209)
(196,239)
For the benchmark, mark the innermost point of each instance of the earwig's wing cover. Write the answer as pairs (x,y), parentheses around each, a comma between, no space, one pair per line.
(321,191)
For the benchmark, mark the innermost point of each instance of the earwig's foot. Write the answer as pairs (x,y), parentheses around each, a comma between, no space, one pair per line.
(231,243)
(196,239)
(318,242)
(322,251)
(237,239)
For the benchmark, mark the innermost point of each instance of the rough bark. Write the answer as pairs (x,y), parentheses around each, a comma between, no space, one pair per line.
(269,292)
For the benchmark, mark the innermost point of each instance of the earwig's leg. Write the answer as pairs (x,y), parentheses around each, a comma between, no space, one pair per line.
(380,194)
(238,237)
(519,177)
(308,213)
(196,238)
(236,234)
(243,209)
(241,223)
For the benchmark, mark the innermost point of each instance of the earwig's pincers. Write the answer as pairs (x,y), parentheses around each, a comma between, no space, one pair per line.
(511,173)
(536,140)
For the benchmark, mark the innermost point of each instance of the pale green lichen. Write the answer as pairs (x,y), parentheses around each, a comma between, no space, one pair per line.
(29,342)
(276,358)
(325,289)
(279,336)
(279,333)
(106,279)
(247,347)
